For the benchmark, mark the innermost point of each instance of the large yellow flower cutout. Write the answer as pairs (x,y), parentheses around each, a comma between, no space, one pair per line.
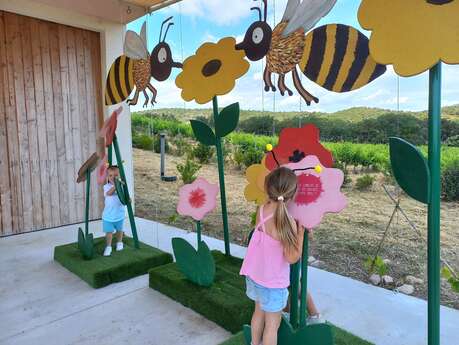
(412,35)
(255,190)
(212,71)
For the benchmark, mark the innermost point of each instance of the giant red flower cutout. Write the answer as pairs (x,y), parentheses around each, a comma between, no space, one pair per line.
(297,143)
(197,199)
(318,191)
(102,171)
(109,127)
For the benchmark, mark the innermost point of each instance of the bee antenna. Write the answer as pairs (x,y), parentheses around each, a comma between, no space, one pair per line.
(275,159)
(162,25)
(167,29)
(265,10)
(259,11)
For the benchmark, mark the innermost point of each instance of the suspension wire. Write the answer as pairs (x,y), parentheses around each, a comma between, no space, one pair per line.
(274,75)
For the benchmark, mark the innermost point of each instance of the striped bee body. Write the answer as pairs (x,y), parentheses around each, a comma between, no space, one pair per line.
(120,80)
(337,57)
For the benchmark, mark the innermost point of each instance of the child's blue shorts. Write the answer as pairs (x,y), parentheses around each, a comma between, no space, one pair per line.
(272,300)
(110,227)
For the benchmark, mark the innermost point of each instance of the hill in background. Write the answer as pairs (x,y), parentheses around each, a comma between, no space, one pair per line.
(351,114)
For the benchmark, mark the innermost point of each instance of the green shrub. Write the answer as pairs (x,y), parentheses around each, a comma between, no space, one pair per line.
(450,182)
(338,165)
(157,145)
(452,141)
(376,265)
(188,171)
(252,156)
(364,182)
(143,141)
(181,146)
(203,153)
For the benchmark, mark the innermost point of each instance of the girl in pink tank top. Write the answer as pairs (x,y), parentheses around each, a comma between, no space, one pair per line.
(275,244)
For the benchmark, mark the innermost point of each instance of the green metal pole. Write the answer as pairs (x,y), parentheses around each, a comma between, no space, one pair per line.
(294,283)
(86,211)
(304,281)
(110,155)
(128,204)
(198,231)
(221,178)
(433,218)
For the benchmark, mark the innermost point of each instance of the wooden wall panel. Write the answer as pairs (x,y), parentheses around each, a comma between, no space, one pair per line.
(50,115)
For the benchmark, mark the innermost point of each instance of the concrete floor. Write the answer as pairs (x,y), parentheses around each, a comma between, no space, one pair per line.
(41,302)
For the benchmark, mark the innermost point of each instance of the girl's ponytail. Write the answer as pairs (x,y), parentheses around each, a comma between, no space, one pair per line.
(280,186)
(285,226)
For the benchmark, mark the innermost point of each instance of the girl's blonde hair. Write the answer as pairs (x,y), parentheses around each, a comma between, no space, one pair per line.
(280,185)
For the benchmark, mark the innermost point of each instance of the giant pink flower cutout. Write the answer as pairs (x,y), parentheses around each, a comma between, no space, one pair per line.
(102,171)
(197,199)
(318,191)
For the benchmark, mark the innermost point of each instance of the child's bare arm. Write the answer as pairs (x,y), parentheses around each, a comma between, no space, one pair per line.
(111,191)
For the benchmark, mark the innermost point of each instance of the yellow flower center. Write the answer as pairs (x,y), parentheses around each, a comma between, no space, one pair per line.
(211,67)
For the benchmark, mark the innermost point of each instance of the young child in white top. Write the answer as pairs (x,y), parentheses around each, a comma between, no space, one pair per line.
(114,213)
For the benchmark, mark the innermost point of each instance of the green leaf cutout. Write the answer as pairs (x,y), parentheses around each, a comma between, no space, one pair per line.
(120,188)
(197,266)
(318,334)
(410,169)
(227,120)
(86,245)
(203,132)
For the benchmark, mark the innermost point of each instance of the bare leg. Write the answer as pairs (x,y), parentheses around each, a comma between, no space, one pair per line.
(267,80)
(282,86)
(257,324)
(154,92)
(146,98)
(312,309)
(303,93)
(108,238)
(272,323)
(119,236)
(133,101)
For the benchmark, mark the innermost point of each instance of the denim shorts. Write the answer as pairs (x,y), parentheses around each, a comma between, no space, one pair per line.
(272,300)
(110,227)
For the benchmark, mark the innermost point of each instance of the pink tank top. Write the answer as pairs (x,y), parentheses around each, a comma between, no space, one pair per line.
(264,261)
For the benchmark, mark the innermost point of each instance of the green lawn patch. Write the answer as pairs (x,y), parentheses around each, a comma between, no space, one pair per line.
(225,302)
(102,271)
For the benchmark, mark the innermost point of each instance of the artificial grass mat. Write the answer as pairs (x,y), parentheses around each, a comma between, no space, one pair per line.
(225,302)
(102,271)
(341,338)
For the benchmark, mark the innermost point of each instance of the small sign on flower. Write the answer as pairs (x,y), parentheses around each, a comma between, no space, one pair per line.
(197,199)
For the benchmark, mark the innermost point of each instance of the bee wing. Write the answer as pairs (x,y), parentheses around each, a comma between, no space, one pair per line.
(290,10)
(134,46)
(307,14)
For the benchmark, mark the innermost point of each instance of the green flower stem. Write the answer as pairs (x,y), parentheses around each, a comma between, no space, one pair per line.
(221,178)
(110,155)
(294,284)
(198,231)
(304,281)
(128,204)
(433,217)
(86,210)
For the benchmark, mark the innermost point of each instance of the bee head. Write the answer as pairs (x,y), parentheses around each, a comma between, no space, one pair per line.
(161,57)
(257,39)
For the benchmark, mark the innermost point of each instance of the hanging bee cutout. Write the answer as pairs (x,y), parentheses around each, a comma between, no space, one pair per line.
(334,56)
(135,68)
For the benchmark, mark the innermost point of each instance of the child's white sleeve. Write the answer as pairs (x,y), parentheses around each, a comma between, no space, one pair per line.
(107,187)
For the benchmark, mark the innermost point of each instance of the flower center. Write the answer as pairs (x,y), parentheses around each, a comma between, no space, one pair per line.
(309,189)
(211,67)
(197,198)
(297,156)
(439,2)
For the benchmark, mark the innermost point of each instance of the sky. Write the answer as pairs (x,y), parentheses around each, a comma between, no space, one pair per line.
(199,21)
